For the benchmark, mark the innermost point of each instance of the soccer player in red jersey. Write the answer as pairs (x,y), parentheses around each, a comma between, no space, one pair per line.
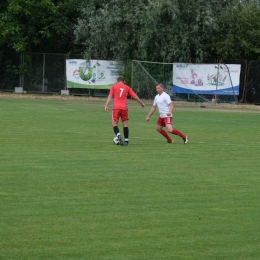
(120,91)
(165,106)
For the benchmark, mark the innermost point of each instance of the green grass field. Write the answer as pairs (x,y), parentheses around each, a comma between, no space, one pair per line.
(67,192)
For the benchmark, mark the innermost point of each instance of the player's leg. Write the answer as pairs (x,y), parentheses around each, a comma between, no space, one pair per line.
(115,119)
(176,132)
(159,128)
(126,132)
(125,119)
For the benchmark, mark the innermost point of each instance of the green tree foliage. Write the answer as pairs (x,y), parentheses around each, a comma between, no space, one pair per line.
(39,26)
(166,30)
(238,35)
(107,30)
(155,30)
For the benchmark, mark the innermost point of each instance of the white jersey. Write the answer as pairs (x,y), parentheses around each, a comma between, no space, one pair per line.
(163,103)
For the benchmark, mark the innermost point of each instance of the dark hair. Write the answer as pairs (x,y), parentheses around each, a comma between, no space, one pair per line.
(121,78)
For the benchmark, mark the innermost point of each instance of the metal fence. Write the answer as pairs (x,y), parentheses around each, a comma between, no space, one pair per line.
(46,73)
(9,78)
(252,83)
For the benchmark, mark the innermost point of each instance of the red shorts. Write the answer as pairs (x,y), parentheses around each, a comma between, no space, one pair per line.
(119,113)
(163,121)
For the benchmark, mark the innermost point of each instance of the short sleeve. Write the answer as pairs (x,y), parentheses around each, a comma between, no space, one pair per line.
(132,93)
(154,102)
(168,99)
(111,92)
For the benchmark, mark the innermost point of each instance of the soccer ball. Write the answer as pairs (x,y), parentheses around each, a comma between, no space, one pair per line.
(116,141)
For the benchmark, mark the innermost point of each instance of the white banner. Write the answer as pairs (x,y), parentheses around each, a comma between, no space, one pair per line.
(206,78)
(94,74)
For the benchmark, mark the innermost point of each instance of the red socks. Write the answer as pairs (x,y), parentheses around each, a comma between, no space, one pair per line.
(176,132)
(166,136)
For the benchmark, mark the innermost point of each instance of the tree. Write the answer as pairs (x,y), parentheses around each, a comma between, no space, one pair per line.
(109,29)
(41,26)
(164,30)
(238,34)
(33,26)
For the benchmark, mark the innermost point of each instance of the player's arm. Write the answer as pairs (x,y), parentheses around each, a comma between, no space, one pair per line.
(153,108)
(139,101)
(108,101)
(171,109)
(135,97)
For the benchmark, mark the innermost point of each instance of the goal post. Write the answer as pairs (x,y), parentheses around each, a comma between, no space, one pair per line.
(146,75)
(214,83)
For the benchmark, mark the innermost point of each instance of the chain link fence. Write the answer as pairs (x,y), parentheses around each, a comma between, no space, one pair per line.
(252,83)
(43,72)
(46,73)
(9,77)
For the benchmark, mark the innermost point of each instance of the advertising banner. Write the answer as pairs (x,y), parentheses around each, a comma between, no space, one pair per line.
(93,74)
(206,78)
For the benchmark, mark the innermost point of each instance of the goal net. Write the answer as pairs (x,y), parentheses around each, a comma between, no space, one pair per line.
(187,82)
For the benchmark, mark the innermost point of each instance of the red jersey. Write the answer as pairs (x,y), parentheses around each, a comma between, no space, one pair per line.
(120,92)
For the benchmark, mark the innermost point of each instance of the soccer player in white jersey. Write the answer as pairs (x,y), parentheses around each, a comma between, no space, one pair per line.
(165,106)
